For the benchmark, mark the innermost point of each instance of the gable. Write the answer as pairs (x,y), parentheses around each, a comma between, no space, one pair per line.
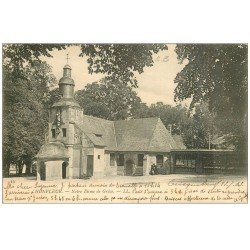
(134,134)
(179,142)
(161,140)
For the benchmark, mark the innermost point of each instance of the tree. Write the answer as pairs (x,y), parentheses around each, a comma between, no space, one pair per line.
(141,110)
(25,114)
(196,129)
(217,74)
(15,56)
(26,83)
(108,100)
(173,118)
(199,130)
(120,61)
(53,96)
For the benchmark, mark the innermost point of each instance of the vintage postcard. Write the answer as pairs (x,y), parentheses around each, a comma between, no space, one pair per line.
(125,123)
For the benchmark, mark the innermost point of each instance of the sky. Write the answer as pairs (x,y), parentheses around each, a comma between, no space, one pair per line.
(155,84)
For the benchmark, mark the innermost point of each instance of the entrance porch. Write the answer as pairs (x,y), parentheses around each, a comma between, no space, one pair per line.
(52,162)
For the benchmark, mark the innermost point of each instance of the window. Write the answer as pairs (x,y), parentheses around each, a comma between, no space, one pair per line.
(121,160)
(159,160)
(179,160)
(140,160)
(64,132)
(99,157)
(112,159)
(53,133)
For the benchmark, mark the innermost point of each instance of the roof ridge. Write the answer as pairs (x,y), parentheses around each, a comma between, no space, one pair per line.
(98,118)
(106,120)
(144,118)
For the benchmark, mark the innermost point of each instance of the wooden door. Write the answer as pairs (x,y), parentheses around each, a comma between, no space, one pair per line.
(64,170)
(90,165)
(43,171)
(129,167)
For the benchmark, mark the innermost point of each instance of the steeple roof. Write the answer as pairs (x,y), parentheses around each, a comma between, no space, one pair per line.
(67,67)
(63,102)
(66,86)
(66,80)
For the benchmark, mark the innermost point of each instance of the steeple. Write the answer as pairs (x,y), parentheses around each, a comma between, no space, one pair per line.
(66,87)
(66,83)
(67,71)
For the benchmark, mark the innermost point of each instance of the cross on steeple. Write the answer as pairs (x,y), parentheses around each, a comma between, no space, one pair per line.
(67,58)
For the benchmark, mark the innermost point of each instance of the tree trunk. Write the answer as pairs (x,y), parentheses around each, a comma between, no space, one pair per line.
(20,168)
(28,168)
(6,169)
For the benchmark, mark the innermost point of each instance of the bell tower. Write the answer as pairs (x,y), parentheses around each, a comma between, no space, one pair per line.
(66,83)
(66,112)
(62,154)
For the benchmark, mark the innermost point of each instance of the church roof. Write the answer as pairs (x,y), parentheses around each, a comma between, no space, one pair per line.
(99,131)
(53,151)
(135,134)
(146,134)
(179,141)
(96,139)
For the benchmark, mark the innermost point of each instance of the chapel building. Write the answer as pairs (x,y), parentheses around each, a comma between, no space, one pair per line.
(82,146)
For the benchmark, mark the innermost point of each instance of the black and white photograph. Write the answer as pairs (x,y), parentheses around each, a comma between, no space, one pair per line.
(125,123)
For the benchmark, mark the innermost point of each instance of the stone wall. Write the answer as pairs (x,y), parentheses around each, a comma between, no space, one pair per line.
(99,162)
(148,160)
(110,170)
(52,170)
(77,163)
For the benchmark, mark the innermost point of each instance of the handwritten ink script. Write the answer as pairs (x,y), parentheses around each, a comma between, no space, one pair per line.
(96,191)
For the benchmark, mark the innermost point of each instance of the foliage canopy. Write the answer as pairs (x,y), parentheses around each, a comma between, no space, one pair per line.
(120,61)
(216,74)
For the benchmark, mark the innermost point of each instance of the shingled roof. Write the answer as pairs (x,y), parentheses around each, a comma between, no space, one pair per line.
(179,141)
(146,134)
(135,135)
(99,131)
(53,151)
